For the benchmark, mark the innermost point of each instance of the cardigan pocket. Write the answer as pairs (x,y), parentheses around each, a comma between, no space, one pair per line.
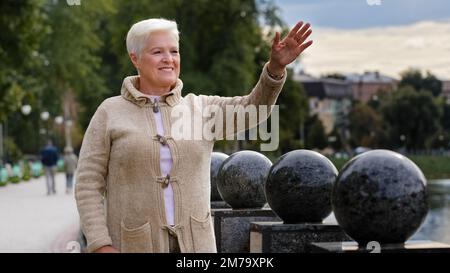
(203,235)
(136,240)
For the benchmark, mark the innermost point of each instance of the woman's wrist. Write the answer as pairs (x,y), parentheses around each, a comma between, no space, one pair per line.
(274,71)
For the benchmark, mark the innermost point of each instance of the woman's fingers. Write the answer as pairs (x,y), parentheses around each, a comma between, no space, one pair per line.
(304,37)
(301,32)
(294,30)
(276,40)
(302,47)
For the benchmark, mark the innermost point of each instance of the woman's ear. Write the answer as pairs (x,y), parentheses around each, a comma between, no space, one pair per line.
(134,59)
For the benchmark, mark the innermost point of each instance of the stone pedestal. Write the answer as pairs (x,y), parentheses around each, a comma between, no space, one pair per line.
(412,246)
(220,205)
(276,237)
(232,227)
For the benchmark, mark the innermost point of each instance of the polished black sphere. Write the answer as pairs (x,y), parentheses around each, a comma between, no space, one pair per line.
(299,185)
(216,162)
(380,196)
(241,179)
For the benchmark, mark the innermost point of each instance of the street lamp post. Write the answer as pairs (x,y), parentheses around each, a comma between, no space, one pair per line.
(403,140)
(26,109)
(58,120)
(68,132)
(45,116)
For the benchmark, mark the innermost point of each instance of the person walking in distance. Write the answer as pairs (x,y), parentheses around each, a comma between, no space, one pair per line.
(49,158)
(70,165)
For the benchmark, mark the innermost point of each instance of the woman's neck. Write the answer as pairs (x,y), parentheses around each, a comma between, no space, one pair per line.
(148,89)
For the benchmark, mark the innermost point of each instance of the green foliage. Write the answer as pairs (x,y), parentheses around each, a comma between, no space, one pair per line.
(433,167)
(316,137)
(26,172)
(445,119)
(415,79)
(412,114)
(72,49)
(365,126)
(22,25)
(48,49)
(14,154)
(16,177)
(294,111)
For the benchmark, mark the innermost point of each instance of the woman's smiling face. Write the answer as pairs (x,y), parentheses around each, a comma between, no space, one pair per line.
(159,61)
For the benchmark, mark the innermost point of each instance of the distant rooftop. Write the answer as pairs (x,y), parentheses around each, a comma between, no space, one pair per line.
(366,77)
(369,77)
(324,87)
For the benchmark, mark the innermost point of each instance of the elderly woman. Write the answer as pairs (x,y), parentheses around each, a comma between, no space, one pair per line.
(139,189)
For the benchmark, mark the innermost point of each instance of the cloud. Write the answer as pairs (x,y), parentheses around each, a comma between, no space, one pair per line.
(351,14)
(390,50)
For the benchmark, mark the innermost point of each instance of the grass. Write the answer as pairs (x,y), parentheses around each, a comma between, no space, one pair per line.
(433,167)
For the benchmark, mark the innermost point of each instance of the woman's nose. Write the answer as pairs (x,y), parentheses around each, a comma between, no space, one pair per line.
(167,57)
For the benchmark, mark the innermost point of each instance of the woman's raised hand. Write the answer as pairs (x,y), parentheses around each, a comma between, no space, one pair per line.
(287,50)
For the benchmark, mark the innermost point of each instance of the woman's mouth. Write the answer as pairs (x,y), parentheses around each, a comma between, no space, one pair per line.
(167,69)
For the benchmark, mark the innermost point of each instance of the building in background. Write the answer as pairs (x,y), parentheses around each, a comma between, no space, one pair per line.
(330,99)
(367,86)
(446,90)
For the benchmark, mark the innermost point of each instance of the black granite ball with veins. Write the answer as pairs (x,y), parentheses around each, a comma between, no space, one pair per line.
(380,196)
(241,179)
(299,187)
(216,162)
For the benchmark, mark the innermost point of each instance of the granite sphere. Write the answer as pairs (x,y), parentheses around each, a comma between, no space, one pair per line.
(241,179)
(299,186)
(380,196)
(216,162)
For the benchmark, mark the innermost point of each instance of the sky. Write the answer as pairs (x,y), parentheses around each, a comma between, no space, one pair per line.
(366,35)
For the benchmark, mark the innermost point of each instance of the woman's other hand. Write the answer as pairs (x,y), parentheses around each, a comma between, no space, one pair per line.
(287,50)
(106,249)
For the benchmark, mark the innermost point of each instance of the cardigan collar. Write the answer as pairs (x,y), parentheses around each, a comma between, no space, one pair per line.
(131,93)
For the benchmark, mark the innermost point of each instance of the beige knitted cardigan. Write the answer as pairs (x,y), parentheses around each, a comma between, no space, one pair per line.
(119,189)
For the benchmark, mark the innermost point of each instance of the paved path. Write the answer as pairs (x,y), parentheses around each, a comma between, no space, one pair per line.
(31,221)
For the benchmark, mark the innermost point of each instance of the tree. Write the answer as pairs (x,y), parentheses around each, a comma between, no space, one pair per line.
(365,126)
(411,118)
(53,54)
(341,124)
(72,50)
(21,24)
(294,111)
(415,79)
(315,136)
(445,120)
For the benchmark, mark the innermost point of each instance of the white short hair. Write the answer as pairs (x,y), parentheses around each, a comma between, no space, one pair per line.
(141,31)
